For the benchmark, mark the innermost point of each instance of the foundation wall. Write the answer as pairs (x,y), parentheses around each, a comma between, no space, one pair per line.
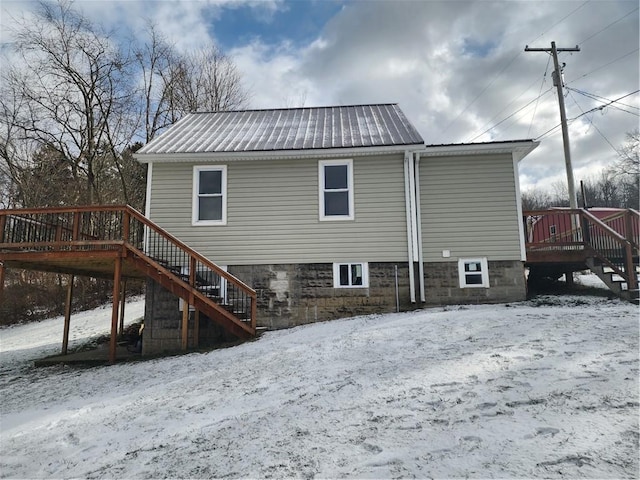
(506,278)
(290,295)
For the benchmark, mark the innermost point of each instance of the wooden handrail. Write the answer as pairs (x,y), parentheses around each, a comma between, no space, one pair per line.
(123,233)
(610,231)
(186,285)
(81,208)
(201,258)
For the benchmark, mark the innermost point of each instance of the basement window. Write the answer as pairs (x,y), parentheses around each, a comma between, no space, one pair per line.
(209,195)
(336,189)
(350,275)
(473,272)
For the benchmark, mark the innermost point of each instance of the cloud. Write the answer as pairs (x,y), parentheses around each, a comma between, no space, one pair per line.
(457,69)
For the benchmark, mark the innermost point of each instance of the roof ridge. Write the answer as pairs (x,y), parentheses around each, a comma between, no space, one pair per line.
(294,108)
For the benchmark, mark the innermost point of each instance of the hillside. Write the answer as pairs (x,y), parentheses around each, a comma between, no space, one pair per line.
(545,388)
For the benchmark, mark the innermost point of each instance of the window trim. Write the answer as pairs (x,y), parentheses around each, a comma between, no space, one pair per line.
(336,274)
(321,190)
(484,271)
(195,212)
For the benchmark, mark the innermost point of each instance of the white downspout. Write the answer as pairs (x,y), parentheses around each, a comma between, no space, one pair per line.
(147,207)
(408,194)
(423,297)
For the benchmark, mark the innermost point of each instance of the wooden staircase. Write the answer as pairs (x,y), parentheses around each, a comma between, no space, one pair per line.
(563,240)
(119,242)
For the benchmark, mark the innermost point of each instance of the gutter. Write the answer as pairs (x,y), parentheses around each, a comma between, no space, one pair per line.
(173,157)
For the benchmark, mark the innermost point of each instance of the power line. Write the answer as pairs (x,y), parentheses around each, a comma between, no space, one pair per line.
(559,22)
(507,66)
(481,93)
(544,78)
(594,125)
(507,106)
(608,26)
(603,66)
(593,96)
(604,106)
(514,113)
(585,113)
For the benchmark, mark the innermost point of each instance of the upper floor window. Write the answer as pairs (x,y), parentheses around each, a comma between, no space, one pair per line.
(336,189)
(210,195)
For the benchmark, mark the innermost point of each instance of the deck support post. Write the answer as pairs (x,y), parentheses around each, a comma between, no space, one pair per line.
(196,328)
(2,271)
(117,274)
(185,325)
(67,314)
(188,303)
(568,276)
(123,297)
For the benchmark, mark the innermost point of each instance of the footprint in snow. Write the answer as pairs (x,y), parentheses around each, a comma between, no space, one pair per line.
(547,431)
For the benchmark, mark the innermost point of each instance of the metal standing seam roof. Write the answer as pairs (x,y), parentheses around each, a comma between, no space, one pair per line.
(287,129)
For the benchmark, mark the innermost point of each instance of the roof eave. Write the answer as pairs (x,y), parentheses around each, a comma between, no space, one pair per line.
(274,154)
(518,148)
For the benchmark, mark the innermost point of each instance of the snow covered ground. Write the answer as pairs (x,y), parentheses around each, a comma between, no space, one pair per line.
(544,388)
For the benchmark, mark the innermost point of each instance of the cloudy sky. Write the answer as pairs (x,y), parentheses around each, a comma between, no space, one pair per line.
(458,69)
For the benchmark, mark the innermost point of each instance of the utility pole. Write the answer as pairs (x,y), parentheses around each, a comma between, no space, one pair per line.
(559,83)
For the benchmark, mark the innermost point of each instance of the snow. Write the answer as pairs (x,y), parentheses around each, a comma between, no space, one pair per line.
(590,280)
(544,388)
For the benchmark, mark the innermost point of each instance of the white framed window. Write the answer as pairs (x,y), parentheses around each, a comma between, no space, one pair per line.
(336,189)
(473,272)
(351,275)
(209,195)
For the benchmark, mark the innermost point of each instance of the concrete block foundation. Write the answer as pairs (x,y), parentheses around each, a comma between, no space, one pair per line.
(295,294)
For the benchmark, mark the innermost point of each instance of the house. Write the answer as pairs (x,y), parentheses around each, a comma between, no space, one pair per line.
(335,211)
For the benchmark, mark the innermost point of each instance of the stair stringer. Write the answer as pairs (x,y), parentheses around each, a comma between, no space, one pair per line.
(183,290)
(618,287)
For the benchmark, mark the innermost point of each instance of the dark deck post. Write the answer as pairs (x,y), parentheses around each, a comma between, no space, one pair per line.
(114,309)
(185,324)
(196,328)
(123,298)
(2,271)
(188,303)
(67,314)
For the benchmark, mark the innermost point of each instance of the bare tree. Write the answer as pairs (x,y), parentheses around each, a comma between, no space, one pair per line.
(175,83)
(629,162)
(536,199)
(69,92)
(626,171)
(206,80)
(157,63)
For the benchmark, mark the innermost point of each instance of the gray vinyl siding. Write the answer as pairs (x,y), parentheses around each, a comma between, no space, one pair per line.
(468,206)
(273,214)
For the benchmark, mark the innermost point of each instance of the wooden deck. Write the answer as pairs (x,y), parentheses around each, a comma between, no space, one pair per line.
(117,242)
(564,240)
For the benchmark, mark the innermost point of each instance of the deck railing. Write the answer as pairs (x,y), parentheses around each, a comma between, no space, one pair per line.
(68,229)
(613,240)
